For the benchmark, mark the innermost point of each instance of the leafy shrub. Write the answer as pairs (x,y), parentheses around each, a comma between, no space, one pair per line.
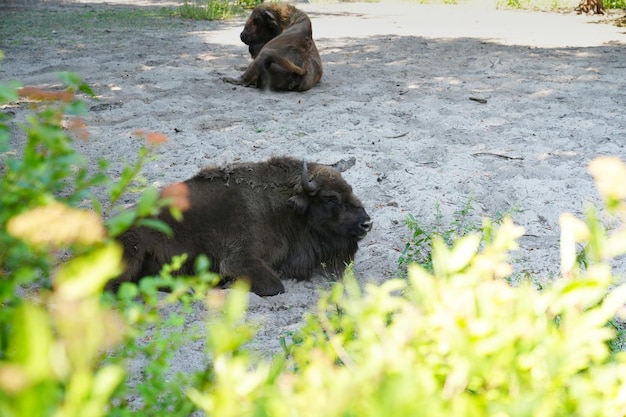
(52,355)
(615,4)
(157,338)
(48,345)
(51,349)
(46,167)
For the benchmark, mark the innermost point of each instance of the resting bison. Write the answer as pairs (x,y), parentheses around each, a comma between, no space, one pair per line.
(590,7)
(280,40)
(257,221)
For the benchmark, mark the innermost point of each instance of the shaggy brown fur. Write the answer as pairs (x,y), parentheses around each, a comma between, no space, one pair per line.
(280,40)
(257,221)
(591,7)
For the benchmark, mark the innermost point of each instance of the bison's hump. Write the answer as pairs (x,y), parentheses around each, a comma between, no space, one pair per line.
(277,172)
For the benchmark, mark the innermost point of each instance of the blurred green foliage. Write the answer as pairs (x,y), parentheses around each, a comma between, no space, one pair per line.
(56,255)
(34,175)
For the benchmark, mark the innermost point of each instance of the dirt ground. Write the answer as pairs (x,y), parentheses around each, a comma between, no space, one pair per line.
(398,94)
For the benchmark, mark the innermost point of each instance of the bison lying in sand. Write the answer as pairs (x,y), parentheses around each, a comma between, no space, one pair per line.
(257,221)
(280,40)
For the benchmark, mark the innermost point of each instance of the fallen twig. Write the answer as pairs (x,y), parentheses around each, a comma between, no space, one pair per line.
(479,100)
(498,155)
(396,136)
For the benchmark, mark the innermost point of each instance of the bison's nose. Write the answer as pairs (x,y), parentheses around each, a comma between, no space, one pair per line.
(366,225)
(244,37)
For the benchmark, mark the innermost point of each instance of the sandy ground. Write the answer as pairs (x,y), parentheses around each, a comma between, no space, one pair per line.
(396,94)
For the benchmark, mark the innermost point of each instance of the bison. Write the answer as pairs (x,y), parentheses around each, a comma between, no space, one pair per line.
(590,7)
(280,40)
(259,222)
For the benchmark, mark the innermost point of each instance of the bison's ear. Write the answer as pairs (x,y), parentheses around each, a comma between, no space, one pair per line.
(299,203)
(344,164)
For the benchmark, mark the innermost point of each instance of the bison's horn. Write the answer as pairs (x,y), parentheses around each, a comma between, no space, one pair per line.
(270,15)
(308,186)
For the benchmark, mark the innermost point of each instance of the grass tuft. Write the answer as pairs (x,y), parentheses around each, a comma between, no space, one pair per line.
(418,248)
(215,9)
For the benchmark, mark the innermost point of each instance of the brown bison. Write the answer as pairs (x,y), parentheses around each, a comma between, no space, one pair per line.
(257,221)
(280,40)
(590,7)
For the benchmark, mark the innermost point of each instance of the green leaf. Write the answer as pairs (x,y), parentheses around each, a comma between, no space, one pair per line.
(76,108)
(202,264)
(71,79)
(105,381)
(128,174)
(148,202)
(4,139)
(176,213)
(31,342)
(128,290)
(8,91)
(86,275)
(157,225)
(440,256)
(616,244)
(462,253)
(85,88)
(120,222)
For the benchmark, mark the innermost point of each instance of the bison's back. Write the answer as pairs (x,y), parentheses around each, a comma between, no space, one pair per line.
(297,46)
(239,205)
(280,40)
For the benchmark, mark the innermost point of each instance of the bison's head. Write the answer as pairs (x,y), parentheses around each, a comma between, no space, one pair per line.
(327,201)
(261,27)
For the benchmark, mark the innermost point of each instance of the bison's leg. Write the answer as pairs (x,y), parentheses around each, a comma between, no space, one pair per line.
(270,71)
(262,279)
(287,65)
(248,78)
(278,73)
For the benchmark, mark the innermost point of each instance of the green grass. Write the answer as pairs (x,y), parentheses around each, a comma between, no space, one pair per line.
(208,10)
(215,9)
(25,25)
(618,344)
(19,26)
(545,5)
(418,248)
(615,4)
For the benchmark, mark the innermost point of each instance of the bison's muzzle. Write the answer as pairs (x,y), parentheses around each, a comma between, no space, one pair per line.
(365,225)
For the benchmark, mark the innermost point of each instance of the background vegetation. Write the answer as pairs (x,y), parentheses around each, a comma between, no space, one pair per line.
(37,25)
(215,9)
(225,9)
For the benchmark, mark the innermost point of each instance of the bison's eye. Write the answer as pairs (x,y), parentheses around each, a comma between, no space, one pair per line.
(330,200)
